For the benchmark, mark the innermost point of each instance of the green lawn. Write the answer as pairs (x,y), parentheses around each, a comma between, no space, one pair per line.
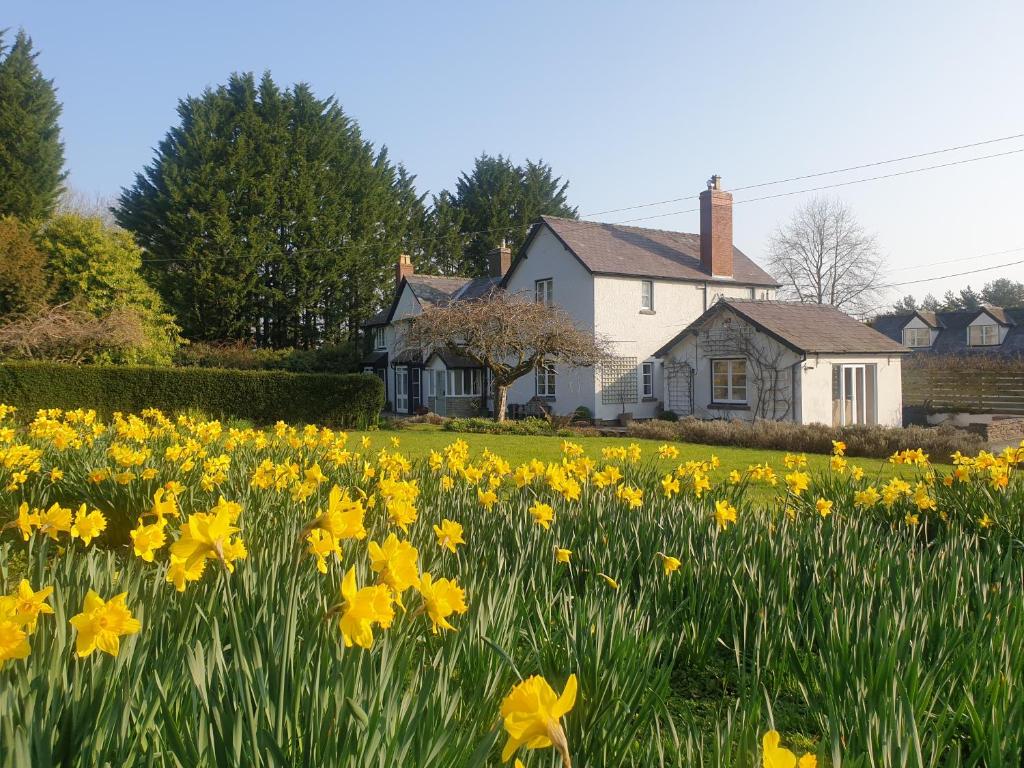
(417,440)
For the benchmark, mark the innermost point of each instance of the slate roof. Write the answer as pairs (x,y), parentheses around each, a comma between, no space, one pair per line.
(952,327)
(807,328)
(614,249)
(381,318)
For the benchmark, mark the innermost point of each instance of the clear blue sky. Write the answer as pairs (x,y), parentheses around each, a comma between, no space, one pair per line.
(632,102)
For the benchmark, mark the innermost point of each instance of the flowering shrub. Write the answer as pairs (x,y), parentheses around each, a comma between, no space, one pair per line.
(194,594)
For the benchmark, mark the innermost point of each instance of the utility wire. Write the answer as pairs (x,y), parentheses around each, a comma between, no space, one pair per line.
(340,249)
(818,174)
(837,185)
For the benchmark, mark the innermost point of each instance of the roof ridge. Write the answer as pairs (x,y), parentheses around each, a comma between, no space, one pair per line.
(591,223)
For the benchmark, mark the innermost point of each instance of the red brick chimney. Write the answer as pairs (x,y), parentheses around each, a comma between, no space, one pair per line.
(403,269)
(499,260)
(716,229)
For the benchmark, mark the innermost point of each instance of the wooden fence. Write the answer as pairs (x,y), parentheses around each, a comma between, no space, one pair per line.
(965,387)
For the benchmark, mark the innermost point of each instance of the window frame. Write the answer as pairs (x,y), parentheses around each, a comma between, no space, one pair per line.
(545,381)
(544,291)
(379,339)
(982,328)
(647,371)
(731,385)
(908,335)
(475,382)
(646,295)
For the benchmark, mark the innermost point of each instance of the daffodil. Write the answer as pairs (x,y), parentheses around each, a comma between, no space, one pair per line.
(102,624)
(180,572)
(449,535)
(562,555)
(774,756)
(542,514)
(88,525)
(669,563)
(322,545)
(25,605)
(725,513)
(13,641)
(441,599)
(824,507)
(362,609)
(532,713)
(396,563)
(609,580)
(211,535)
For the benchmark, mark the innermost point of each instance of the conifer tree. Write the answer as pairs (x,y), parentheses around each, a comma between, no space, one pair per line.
(496,202)
(267,217)
(31,151)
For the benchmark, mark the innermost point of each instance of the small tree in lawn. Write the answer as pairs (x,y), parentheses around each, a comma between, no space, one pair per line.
(507,334)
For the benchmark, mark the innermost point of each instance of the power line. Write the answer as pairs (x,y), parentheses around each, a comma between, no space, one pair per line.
(420,243)
(960,258)
(955,274)
(837,185)
(819,173)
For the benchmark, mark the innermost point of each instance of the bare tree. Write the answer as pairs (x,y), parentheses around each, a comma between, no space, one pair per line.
(507,334)
(824,256)
(67,335)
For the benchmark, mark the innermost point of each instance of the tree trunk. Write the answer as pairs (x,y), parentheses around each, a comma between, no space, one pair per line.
(500,401)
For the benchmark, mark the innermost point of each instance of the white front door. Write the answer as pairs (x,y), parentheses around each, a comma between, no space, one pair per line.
(401,389)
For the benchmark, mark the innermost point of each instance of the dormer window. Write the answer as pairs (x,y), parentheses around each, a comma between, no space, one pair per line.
(983,335)
(917,337)
(378,338)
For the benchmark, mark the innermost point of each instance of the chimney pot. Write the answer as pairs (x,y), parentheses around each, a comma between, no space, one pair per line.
(716,229)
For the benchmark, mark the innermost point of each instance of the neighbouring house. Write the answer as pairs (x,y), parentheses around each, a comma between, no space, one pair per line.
(636,288)
(784,361)
(435,381)
(986,330)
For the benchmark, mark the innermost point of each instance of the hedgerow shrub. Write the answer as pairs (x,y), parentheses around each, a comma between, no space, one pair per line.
(260,396)
(529,426)
(866,441)
(336,358)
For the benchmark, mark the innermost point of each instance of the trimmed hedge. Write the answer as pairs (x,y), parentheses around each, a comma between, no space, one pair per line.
(260,396)
(864,441)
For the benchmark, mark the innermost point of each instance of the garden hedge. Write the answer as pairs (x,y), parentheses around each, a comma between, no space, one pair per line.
(260,396)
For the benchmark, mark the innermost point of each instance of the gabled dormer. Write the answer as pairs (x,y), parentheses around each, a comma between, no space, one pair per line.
(920,329)
(988,328)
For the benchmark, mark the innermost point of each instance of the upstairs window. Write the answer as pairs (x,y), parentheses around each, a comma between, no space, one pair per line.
(647,295)
(917,337)
(982,335)
(378,338)
(729,381)
(543,291)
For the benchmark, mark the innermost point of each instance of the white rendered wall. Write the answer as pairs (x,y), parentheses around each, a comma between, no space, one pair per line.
(816,387)
(572,287)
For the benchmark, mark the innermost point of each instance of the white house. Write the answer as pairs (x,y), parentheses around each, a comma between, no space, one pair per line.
(784,361)
(636,288)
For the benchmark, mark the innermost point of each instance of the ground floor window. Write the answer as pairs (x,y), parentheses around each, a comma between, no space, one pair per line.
(546,380)
(647,379)
(729,381)
(464,382)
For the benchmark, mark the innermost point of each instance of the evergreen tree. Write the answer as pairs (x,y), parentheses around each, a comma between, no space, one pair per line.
(24,285)
(268,218)
(1004,292)
(31,152)
(930,303)
(906,304)
(496,202)
(969,298)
